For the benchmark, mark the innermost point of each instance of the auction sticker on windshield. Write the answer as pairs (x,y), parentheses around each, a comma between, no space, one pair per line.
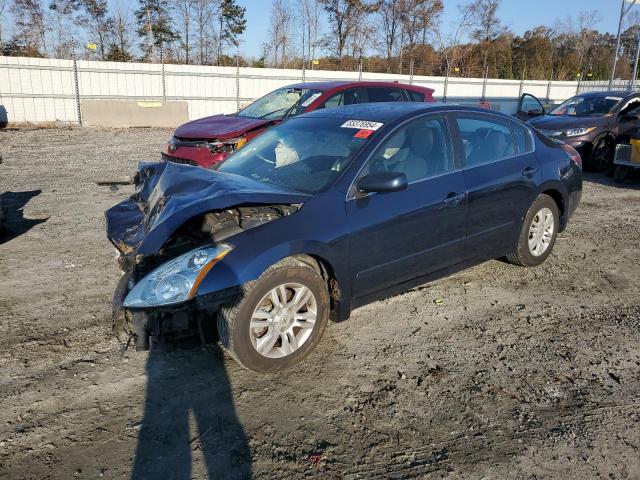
(362,125)
(310,100)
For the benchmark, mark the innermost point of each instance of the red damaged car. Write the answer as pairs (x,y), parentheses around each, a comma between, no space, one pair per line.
(209,140)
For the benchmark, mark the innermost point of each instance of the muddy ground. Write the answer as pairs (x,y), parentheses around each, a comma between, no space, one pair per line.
(518,373)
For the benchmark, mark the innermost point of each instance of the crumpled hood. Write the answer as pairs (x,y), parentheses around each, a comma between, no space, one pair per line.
(219,127)
(169,194)
(564,122)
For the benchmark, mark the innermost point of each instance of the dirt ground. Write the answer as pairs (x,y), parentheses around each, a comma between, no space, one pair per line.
(517,373)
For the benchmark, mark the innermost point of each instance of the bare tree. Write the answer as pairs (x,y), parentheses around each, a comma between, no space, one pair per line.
(61,13)
(309,23)
(280,31)
(29,23)
(122,31)
(489,26)
(451,46)
(203,14)
(418,18)
(185,10)
(95,17)
(3,4)
(391,13)
(344,16)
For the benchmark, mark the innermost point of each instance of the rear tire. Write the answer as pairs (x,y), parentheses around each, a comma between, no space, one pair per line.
(300,294)
(538,233)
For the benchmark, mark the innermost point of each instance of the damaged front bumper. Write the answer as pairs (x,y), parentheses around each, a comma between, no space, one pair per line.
(142,327)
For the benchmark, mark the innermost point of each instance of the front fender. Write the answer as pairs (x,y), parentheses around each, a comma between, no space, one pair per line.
(243,264)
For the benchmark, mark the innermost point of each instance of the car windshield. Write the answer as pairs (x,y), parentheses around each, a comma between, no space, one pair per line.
(277,103)
(305,154)
(584,106)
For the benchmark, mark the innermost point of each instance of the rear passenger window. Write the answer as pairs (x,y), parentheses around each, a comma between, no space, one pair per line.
(384,94)
(485,141)
(415,96)
(522,138)
(346,97)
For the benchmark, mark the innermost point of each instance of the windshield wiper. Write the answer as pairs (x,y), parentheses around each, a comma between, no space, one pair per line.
(275,111)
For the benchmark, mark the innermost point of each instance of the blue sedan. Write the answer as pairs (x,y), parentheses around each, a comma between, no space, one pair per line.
(329,211)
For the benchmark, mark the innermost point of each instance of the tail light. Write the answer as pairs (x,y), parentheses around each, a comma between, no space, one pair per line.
(573,154)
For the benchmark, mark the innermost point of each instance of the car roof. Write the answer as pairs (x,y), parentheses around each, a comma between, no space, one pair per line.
(616,93)
(387,112)
(330,85)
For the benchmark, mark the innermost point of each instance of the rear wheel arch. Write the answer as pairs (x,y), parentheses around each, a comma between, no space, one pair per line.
(557,197)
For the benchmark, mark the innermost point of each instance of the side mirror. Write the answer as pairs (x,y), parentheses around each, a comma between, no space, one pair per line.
(630,117)
(382,182)
(535,112)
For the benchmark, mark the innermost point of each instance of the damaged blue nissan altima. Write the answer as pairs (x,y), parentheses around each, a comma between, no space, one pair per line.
(327,212)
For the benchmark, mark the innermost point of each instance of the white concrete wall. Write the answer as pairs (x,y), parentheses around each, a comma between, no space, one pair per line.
(43,90)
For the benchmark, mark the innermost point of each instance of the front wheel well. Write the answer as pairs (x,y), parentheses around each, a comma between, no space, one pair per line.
(324,268)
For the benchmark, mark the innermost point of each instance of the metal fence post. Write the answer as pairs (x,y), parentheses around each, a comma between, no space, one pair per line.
(521,85)
(360,70)
(446,87)
(411,72)
(548,90)
(578,86)
(77,87)
(238,81)
(484,84)
(164,85)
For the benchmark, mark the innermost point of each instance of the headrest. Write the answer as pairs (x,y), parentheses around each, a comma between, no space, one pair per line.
(421,140)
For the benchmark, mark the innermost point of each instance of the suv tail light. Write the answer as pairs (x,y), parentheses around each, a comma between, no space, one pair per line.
(573,154)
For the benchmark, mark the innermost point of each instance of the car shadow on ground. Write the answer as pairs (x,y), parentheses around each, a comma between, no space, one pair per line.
(13,222)
(189,414)
(632,182)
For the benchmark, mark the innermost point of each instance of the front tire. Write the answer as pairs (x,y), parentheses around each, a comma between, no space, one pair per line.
(278,319)
(538,233)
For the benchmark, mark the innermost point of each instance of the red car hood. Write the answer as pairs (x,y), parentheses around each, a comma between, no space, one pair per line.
(219,127)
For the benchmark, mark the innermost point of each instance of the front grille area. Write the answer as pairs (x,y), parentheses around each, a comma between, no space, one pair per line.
(183,161)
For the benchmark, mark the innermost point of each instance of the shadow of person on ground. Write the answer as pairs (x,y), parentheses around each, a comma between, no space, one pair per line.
(12,223)
(189,407)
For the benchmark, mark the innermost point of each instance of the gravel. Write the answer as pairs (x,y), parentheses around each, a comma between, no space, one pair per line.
(495,372)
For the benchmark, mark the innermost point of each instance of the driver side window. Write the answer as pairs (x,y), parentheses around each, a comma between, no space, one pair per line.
(419,149)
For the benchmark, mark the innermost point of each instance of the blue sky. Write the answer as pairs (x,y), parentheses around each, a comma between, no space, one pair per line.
(519,15)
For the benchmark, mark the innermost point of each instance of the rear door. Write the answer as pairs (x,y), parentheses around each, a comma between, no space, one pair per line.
(501,174)
(397,236)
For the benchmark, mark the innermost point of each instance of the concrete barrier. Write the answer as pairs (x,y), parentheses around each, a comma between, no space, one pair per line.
(130,113)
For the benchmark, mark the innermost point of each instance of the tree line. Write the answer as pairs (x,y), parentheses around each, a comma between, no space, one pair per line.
(395,36)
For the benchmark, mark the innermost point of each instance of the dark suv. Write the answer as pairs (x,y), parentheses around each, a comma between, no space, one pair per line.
(591,122)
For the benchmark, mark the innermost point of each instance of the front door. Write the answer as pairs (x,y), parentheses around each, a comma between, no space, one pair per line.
(397,236)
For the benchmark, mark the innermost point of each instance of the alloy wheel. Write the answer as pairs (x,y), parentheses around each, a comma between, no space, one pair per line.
(541,232)
(601,154)
(283,320)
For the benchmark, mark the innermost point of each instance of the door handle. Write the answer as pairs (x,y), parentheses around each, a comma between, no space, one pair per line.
(529,171)
(454,199)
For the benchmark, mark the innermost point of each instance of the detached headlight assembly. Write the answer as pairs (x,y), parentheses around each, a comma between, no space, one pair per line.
(177,280)
(577,132)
